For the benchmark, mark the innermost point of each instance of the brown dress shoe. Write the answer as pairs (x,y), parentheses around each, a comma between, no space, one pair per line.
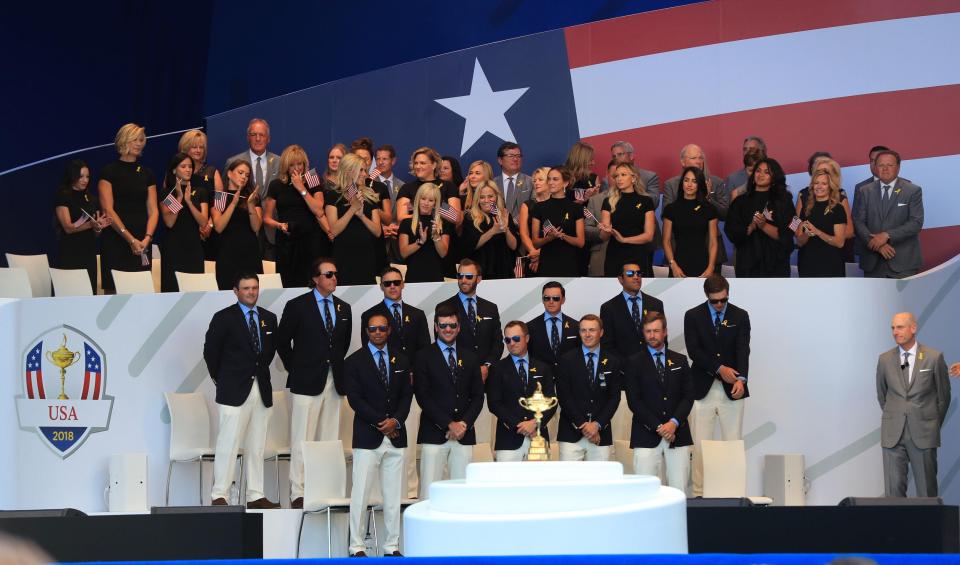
(359,554)
(297,503)
(219,502)
(262,504)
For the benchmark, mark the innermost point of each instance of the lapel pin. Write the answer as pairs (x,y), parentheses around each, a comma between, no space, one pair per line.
(669,363)
(459,362)
(604,362)
(406,318)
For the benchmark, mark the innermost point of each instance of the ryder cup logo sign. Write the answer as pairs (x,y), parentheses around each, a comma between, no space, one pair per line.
(64,385)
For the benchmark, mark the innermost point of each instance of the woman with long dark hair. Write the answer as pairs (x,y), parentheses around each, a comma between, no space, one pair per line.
(758,223)
(78,221)
(558,228)
(184,209)
(238,250)
(690,228)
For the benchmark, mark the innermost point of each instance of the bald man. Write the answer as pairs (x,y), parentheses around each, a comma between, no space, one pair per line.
(692,156)
(914,393)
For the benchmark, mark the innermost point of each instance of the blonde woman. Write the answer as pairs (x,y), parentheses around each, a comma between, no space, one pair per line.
(824,163)
(425,167)
(822,234)
(580,163)
(205,176)
(488,237)
(355,223)
(425,237)
(128,195)
(478,173)
(541,192)
(627,222)
(334,156)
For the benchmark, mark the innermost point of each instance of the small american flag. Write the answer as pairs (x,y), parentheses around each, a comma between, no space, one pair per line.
(172,203)
(494,210)
(84,218)
(352,192)
(144,260)
(220,200)
(447,212)
(795,223)
(768,214)
(548,227)
(579,194)
(376,174)
(312,178)
(589,215)
(518,268)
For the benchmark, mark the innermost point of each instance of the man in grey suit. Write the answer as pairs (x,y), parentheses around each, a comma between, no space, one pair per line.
(751,142)
(622,152)
(914,393)
(515,186)
(888,221)
(692,156)
(872,157)
(265,168)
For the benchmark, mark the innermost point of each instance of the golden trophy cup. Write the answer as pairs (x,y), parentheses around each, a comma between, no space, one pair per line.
(63,358)
(538,404)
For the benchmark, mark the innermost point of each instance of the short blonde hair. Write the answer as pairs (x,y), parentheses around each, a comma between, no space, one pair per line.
(426,189)
(126,134)
(432,155)
(292,154)
(192,138)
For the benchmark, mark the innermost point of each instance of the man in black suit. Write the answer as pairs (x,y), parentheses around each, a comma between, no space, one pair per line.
(660,395)
(409,332)
(718,340)
(623,314)
(449,389)
(481,319)
(515,376)
(238,349)
(554,333)
(588,383)
(377,380)
(313,339)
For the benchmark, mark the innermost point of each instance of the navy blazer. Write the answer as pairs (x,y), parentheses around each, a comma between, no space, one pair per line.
(619,332)
(708,352)
(504,390)
(539,345)
(304,346)
(415,335)
(653,404)
(373,403)
(232,360)
(441,400)
(488,343)
(583,399)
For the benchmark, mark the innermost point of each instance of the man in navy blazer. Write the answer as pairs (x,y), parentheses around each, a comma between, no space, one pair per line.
(481,318)
(623,314)
(313,338)
(238,348)
(378,386)
(553,333)
(409,332)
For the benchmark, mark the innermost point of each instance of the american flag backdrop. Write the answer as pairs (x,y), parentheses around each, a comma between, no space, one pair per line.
(34,372)
(92,374)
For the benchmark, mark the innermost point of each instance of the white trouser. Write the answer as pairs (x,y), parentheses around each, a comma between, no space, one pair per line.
(307,412)
(365,463)
(246,422)
(715,407)
(583,450)
(647,461)
(434,457)
(518,454)
(410,459)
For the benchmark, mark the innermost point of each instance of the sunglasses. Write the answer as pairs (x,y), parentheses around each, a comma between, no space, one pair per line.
(448,325)
(552,298)
(513,338)
(375,329)
(468,276)
(719,300)
(388,284)
(328,274)
(631,273)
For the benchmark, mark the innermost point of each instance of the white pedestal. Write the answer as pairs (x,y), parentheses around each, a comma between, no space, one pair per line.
(547,508)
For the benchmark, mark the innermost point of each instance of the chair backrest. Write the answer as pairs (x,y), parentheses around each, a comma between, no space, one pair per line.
(155,252)
(278,432)
(136,282)
(400,267)
(194,282)
(661,272)
(270,280)
(210,267)
(728,271)
(38,271)
(71,282)
(269,266)
(15,283)
(724,469)
(189,425)
(324,472)
(623,453)
(155,266)
(482,453)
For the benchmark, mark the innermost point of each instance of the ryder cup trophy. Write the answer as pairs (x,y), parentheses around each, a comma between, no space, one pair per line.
(538,404)
(63,358)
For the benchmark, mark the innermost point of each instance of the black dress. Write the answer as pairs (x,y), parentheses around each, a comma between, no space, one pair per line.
(130,182)
(585,183)
(447,191)
(758,255)
(495,256)
(182,249)
(353,249)
(238,249)
(818,258)
(305,240)
(203,177)
(558,258)
(425,264)
(78,250)
(629,219)
(691,233)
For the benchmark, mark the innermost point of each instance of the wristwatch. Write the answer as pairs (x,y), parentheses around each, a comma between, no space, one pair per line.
(303,193)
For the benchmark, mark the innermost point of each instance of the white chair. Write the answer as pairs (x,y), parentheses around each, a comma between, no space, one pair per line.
(99,277)
(15,283)
(482,453)
(270,280)
(70,282)
(728,271)
(269,266)
(38,271)
(623,454)
(155,274)
(136,282)
(196,282)
(324,484)
(661,272)
(210,267)
(400,267)
(725,471)
(190,435)
(449,280)
(278,434)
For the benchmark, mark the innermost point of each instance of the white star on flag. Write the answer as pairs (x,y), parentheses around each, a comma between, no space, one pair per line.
(483,109)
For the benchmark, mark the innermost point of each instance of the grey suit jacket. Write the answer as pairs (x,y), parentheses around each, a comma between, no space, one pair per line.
(720,197)
(523,192)
(921,405)
(271,171)
(652,183)
(902,219)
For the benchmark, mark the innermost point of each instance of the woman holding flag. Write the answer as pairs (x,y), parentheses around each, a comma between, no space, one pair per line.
(424,238)
(78,222)
(354,216)
(184,211)
(488,233)
(237,218)
(558,228)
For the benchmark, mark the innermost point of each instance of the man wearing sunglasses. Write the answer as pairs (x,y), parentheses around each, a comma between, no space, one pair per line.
(377,381)
(481,319)
(449,389)
(408,324)
(717,335)
(623,314)
(554,333)
(515,376)
(312,340)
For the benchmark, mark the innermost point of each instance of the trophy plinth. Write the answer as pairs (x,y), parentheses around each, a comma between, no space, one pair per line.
(538,404)
(63,358)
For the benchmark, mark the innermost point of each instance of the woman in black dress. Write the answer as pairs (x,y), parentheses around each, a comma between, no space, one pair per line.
(691,222)
(558,229)
(425,167)
(128,195)
(300,222)
(334,156)
(827,164)
(355,223)
(205,176)
(237,227)
(425,237)
(184,210)
(580,163)
(758,223)
(479,173)
(488,234)
(627,222)
(78,222)
(821,236)
(541,192)
(450,170)
(363,148)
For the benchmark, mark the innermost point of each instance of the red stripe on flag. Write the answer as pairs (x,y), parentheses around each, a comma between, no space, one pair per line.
(40,393)
(86,385)
(939,245)
(720,21)
(918,123)
(96,387)
(29,385)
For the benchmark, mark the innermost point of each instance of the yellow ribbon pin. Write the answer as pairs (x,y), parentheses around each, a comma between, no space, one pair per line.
(206,178)
(639,204)
(566,216)
(533,369)
(566,325)
(263,324)
(604,362)
(669,363)
(697,208)
(138,168)
(459,362)
(393,359)
(723,323)
(406,318)
(920,356)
